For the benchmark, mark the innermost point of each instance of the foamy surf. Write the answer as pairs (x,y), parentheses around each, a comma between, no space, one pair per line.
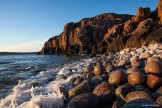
(44,89)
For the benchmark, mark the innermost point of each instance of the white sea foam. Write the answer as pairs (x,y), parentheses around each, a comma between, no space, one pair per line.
(45,93)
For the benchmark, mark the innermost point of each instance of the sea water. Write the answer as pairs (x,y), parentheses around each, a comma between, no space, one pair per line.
(35,81)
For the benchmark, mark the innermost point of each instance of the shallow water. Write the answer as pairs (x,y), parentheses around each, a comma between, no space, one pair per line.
(15,68)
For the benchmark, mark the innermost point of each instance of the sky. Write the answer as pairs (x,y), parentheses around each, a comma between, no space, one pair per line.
(26,24)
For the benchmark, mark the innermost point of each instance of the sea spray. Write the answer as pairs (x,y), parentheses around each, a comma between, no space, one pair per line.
(40,91)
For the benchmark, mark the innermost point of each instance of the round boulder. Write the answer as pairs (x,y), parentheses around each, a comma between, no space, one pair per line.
(145,55)
(81,88)
(105,92)
(86,100)
(136,78)
(150,59)
(99,69)
(117,77)
(153,67)
(154,81)
(142,103)
(137,95)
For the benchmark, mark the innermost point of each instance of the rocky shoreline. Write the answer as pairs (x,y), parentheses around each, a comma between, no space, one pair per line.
(129,78)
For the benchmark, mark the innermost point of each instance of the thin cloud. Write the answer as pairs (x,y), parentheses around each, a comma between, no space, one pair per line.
(24,47)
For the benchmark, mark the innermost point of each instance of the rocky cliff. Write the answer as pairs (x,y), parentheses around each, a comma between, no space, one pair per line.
(107,32)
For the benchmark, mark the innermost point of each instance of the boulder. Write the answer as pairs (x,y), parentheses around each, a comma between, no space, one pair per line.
(136,78)
(137,95)
(99,69)
(154,81)
(105,92)
(86,100)
(117,77)
(81,88)
(140,103)
(153,67)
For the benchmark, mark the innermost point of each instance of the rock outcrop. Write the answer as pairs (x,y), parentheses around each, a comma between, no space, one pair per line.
(160,11)
(107,32)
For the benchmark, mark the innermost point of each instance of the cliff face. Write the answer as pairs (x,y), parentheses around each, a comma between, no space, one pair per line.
(106,32)
(160,11)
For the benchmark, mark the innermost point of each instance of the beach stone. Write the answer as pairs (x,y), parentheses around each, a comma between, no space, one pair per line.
(117,77)
(86,100)
(153,67)
(104,77)
(122,63)
(160,46)
(159,100)
(145,55)
(89,75)
(122,52)
(157,94)
(89,68)
(122,91)
(116,104)
(136,63)
(99,69)
(78,81)
(141,88)
(106,63)
(95,81)
(135,57)
(109,68)
(154,81)
(105,92)
(128,50)
(132,70)
(81,88)
(141,103)
(150,59)
(136,78)
(137,95)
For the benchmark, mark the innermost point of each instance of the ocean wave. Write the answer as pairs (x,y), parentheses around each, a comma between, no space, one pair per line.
(45,89)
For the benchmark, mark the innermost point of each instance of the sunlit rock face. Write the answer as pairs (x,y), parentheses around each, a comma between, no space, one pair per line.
(160,11)
(108,32)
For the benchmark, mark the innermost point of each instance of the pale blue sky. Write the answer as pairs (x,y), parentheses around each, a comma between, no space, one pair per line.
(26,24)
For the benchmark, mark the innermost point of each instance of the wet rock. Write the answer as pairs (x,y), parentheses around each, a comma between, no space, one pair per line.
(153,67)
(141,103)
(156,94)
(150,59)
(117,77)
(136,63)
(116,105)
(136,78)
(122,63)
(159,100)
(86,100)
(132,70)
(145,55)
(95,81)
(122,91)
(141,88)
(154,81)
(104,77)
(81,88)
(110,68)
(105,92)
(78,81)
(137,95)
(89,68)
(99,69)
(90,75)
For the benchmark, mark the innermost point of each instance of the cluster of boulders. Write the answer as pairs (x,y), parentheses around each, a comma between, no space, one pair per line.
(128,79)
(107,32)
